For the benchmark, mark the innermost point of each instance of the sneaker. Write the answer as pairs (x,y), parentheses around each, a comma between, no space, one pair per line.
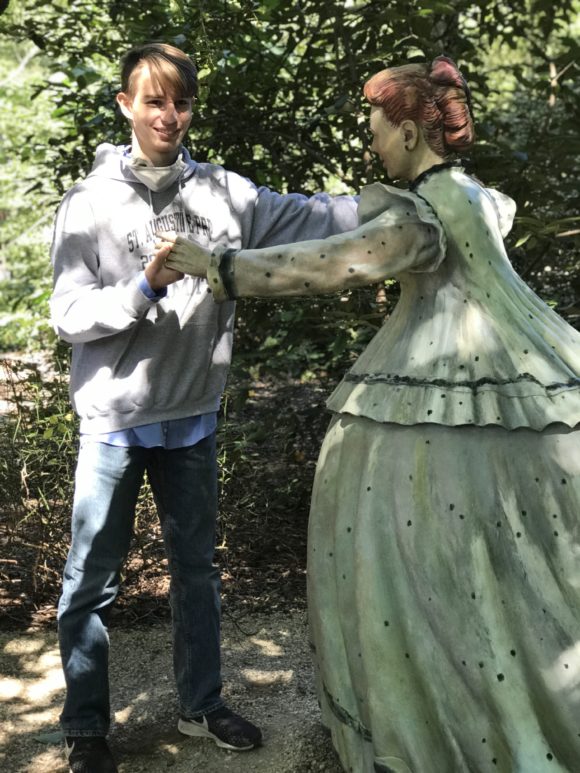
(89,755)
(227,729)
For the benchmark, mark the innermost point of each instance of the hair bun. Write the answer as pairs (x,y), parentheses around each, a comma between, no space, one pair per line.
(444,72)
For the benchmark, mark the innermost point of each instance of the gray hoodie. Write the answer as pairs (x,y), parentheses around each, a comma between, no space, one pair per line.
(137,361)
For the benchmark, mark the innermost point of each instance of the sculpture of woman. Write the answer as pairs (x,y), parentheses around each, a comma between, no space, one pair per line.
(444,536)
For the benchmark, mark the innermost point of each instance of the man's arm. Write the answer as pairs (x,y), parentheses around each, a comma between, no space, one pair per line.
(82,309)
(279,219)
(269,218)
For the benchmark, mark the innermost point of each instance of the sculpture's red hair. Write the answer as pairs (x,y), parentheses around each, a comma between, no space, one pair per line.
(437,98)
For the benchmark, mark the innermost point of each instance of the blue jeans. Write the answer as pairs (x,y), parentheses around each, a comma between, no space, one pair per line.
(107,483)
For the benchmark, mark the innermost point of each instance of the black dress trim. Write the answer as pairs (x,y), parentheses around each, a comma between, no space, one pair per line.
(347,719)
(388,378)
(226,272)
(433,170)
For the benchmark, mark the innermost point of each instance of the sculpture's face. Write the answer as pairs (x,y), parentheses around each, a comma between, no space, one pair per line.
(159,120)
(389,144)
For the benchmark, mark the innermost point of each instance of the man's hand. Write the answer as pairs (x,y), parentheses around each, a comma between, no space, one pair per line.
(183,255)
(157,273)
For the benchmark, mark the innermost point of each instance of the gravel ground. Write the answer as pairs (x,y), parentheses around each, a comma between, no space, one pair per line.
(267,676)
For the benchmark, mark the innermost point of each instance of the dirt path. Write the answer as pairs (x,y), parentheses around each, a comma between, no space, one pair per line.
(267,676)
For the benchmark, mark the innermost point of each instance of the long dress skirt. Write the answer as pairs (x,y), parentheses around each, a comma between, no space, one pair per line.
(444,597)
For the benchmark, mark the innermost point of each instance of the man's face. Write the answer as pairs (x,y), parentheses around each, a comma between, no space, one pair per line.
(159,120)
(389,144)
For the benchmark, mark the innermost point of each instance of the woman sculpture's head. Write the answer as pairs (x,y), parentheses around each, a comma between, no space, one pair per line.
(430,101)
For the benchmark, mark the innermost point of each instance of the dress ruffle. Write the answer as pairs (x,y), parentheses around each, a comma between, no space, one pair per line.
(521,403)
(469,344)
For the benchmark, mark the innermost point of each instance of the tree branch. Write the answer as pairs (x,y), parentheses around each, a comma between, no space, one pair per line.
(30,54)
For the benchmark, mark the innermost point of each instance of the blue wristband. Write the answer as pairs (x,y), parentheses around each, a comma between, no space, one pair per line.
(148,292)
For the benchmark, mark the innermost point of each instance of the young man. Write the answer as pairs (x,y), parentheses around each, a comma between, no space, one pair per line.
(151,351)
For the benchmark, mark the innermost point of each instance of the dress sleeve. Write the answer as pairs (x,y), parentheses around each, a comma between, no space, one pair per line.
(404,236)
(505,208)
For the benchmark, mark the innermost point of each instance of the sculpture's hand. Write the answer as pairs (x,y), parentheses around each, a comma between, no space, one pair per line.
(183,255)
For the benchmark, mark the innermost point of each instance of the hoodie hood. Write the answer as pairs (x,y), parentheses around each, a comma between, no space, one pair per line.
(114,163)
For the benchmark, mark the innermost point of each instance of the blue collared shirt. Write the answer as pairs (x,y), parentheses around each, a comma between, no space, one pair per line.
(176,433)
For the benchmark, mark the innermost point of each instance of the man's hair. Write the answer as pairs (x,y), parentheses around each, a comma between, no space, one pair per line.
(170,68)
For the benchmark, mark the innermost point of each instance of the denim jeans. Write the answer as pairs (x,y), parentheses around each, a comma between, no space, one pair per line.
(107,483)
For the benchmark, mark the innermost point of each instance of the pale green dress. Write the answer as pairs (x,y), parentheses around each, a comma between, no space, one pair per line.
(444,537)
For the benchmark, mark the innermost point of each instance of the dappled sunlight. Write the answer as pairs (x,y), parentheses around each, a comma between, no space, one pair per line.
(32,721)
(564,673)
(31,693)
(573,578)
(254,677)
(267,676)
(473,325)
(31,663)
(47,761)
(124,715)
(51,681)
(268,647)
(457,363)
(35,675)
(169,748)
(142,697)
(452,331)
(563,459)
(138,701)
(10,689)
(453,336)
(259,650)
(23,646)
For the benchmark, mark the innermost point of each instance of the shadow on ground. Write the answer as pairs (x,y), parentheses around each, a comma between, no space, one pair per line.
(267,676)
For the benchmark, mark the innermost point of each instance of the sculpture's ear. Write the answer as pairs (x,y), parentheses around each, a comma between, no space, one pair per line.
(410,132)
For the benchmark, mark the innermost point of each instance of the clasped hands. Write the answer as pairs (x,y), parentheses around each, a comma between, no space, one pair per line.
(181,254)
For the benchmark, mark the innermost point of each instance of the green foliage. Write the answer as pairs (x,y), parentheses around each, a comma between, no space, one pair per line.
(37,439)
(277,78)
(309,337)
(281,103)
(38,444)
(25,213)
(266,434)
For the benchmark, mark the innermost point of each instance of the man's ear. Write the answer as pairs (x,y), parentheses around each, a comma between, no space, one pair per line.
(124,101)
(410,133)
